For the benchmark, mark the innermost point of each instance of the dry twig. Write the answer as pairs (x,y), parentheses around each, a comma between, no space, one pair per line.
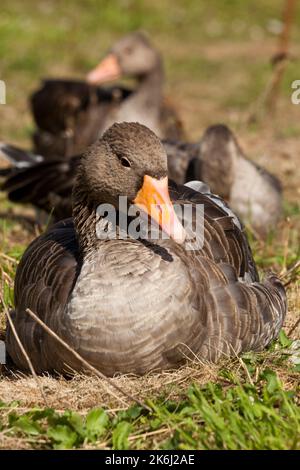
(267,102)
(27,358)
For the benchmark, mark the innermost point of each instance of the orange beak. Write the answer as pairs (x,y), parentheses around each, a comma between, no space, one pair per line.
(154,199)
(108,69)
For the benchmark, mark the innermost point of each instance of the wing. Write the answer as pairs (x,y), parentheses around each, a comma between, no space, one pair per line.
(238,312)
(18,158)
(47,185)
(224,236)
(183,161)
(57,103)
(44,281)
(70,115)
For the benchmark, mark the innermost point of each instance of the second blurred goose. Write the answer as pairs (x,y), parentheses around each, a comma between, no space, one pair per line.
(218,160)
(133,305)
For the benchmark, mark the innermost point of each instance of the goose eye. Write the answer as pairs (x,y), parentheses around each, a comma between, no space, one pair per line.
(128,50)
(125,162)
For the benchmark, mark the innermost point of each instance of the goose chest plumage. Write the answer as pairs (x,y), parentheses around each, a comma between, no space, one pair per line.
(132,305)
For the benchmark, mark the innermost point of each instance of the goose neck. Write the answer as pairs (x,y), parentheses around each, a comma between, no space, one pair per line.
(149,91)
(85,220)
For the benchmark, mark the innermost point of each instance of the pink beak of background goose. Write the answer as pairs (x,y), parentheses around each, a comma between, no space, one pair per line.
(108,69)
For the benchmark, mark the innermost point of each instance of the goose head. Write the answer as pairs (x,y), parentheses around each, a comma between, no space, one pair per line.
(129,160)
(131,56)
(219,140)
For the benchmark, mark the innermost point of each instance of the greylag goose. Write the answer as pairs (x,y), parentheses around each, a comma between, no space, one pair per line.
(122,302)
(70,115)
(218,160)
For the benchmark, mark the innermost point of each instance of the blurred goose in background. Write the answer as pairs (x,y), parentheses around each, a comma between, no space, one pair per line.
(121,303)
(218,160)
(72,114)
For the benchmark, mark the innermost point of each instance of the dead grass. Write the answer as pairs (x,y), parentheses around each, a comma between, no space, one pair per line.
(83,392)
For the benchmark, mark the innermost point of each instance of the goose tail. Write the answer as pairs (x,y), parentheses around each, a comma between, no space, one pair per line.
(261,307)
(272,307)
(17,158)
(246,316)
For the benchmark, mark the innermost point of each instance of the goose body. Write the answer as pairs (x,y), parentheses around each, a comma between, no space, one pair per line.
(72,114)
(121,303)
(256,195)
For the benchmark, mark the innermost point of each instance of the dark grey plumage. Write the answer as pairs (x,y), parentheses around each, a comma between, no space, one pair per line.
(46,185)
(18,158)
(122,303)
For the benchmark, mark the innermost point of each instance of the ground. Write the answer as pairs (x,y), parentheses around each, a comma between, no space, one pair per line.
(217,57)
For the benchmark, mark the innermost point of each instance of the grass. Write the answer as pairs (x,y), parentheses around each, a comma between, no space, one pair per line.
(217,57)
(231,415)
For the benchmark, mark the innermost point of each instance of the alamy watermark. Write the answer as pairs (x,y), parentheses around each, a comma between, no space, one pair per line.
(295,98)
(2,92)
(185,224)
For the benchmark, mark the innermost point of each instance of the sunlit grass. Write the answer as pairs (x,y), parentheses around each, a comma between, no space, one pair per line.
(226,415)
